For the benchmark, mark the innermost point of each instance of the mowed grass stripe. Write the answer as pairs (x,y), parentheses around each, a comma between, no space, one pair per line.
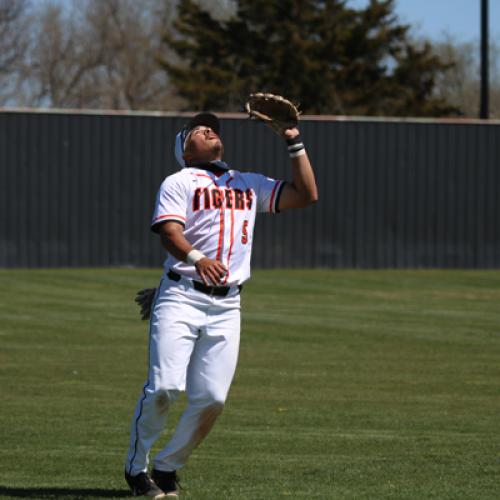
(351,384)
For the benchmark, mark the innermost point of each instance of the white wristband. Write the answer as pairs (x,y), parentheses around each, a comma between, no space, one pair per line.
(295,147)
(300,152)
(194,256)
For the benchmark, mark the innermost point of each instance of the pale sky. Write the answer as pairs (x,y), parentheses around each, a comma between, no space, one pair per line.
(459,18)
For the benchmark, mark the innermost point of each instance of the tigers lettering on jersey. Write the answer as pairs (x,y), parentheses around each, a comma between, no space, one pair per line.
(217,214)
(207,198)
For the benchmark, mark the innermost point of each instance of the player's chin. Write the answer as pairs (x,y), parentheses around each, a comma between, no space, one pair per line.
(218,149)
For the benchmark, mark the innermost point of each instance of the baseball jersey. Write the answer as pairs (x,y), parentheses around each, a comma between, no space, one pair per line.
(218,215)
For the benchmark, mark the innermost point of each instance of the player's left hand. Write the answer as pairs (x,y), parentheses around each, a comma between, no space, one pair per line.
(144,299)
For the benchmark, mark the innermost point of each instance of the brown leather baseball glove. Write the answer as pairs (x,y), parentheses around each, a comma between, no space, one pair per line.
(274,110)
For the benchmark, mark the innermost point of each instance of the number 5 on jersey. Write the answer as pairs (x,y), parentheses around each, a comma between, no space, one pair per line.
(244,233)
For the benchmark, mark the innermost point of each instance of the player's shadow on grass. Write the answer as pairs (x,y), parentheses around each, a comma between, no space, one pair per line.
(73,493)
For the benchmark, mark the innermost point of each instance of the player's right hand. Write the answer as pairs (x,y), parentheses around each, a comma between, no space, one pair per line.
(211,271)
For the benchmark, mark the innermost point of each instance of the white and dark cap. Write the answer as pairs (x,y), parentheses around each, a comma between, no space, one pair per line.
(207,119)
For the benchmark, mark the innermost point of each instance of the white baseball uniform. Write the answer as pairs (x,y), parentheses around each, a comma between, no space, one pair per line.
(194,336)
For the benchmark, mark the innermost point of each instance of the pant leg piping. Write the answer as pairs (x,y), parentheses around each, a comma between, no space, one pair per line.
(147,383)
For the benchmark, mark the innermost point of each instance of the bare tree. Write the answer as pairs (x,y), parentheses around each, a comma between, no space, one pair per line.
(60,61)
(127,34)
(495,78)
(98,54)
(461,84)
(13,45)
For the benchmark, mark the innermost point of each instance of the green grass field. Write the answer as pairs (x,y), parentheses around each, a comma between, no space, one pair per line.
(350,385)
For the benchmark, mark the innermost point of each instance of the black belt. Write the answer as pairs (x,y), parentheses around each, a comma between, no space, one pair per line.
(218,291)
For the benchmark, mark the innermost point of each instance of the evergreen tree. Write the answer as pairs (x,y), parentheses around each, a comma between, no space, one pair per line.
(321,53)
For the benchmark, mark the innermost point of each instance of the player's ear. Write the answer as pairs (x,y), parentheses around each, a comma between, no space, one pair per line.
(187,155)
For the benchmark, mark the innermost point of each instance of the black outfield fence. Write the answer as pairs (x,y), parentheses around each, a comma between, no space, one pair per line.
(77,189)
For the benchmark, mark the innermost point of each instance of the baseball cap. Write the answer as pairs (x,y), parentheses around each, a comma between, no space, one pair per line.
(207,119)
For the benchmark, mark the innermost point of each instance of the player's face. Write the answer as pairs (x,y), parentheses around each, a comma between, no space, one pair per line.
(203,144)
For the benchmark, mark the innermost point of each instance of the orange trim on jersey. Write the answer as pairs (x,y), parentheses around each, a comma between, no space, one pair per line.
(221,232)
(232,237)
(230,245)
(273,194)
(169,215)
(208,177)
(204,175)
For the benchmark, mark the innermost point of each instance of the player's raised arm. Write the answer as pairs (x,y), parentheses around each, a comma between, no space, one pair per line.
(302,190)
(282,116)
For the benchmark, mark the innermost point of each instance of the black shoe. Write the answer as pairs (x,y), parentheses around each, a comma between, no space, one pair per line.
(142,485)
(167,481)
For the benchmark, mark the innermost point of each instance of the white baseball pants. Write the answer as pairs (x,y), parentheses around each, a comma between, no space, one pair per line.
(193,347)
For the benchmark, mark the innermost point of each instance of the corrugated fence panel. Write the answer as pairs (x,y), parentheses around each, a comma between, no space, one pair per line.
(79,189)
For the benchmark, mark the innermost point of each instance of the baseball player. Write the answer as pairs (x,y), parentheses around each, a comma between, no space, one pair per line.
(204,215)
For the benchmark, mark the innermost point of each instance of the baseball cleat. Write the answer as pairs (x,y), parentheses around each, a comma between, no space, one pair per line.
(142,485)
(167,481)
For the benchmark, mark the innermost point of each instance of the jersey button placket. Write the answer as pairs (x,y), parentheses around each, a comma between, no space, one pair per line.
(231,226)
